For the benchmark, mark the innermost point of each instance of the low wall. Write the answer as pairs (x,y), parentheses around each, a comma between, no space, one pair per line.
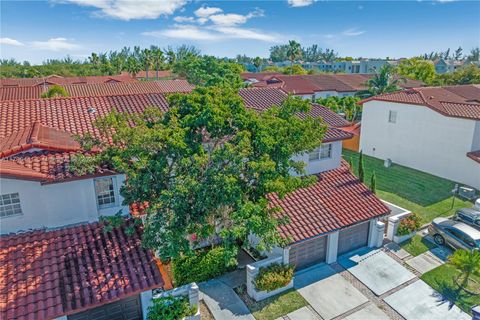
(191,290)
(394,222)
(252,271)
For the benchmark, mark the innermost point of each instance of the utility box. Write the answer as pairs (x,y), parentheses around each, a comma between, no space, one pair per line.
(467,193)
(387,163)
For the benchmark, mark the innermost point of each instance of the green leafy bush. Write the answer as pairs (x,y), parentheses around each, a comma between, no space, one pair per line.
(170,308)
(203,265)
(273,277)
(409,224)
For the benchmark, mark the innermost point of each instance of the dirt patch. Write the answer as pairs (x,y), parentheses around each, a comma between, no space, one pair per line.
(205,313)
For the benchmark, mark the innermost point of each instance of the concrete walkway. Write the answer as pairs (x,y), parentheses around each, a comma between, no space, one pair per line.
(223,302)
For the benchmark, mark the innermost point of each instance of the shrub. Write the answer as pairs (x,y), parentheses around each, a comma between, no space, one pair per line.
(202,265)
(170,308)
(273,277)
(409,224)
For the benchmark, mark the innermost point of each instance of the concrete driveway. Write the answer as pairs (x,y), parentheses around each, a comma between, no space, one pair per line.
(376,269)
(420,302)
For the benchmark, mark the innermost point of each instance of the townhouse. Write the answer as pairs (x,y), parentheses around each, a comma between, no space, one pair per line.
(317,86)
(56,259)
(432,129)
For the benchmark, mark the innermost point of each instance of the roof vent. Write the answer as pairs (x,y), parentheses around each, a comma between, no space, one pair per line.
(431,97)
(91,110)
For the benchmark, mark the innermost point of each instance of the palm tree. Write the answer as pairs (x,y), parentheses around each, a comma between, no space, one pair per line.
(384,81)
(257,62)
(468,263)
(171,56)
(94,59)
(55,91)
(146,59)
(133,66)
(293,52)
(157,57)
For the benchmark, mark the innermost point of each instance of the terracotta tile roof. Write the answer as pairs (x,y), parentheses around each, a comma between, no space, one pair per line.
(54,79)
(37,136)
(309,84)
(48,274)
(336,201)
(99,89)
(353,129)
(44,166)
(474,155)
(73,115)
(335,134)
(262,98)
(259,76)
(152,74)
(458,102)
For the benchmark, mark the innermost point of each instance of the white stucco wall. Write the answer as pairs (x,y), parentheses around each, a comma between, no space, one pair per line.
(56,205)
(321,165)
(422,139)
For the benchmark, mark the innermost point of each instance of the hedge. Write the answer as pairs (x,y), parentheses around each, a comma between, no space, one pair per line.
(202,266)
(170,308)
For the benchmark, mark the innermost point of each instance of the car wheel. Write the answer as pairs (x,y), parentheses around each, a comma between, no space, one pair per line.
(439,239)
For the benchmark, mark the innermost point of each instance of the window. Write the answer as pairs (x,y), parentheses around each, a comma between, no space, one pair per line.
(10,205)
(392,116)
(324,152)
(104,189)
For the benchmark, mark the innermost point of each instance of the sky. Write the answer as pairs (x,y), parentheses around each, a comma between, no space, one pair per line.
(39,30)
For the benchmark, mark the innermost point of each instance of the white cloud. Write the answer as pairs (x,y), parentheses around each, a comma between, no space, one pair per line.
(55,44)
(211,33)
(242,33)
(130,9)
(299,3)
(233,19)
(353,32)
(202,20)
(204,12)
(183,19)
(10,42)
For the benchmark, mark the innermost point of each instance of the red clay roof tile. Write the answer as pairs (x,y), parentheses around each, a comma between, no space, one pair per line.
(337,200)
(458,101)
(56,273)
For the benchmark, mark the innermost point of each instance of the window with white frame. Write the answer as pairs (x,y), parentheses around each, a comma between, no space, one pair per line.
(323,152)
(10,205)
(392,116)
(105,191)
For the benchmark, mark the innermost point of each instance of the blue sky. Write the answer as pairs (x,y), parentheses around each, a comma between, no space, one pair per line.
(37,30)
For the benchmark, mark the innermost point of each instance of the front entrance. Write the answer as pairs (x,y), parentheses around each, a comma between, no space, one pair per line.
(125,309)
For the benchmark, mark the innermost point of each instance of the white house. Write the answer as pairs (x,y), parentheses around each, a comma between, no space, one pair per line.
(102,271)
(435,129)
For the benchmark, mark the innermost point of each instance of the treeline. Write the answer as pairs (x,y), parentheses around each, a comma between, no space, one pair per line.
(127,59)
(449,54)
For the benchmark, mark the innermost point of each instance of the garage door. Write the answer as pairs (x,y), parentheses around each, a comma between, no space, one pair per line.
(353,238)
(308,252)
(126,309)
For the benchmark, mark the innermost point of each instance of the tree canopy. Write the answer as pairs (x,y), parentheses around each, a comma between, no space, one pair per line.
(209,71)
(346,105)
(384,81)
(206,166)
(416,68)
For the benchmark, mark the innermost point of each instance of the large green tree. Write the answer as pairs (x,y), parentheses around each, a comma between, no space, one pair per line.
(417,68)
(209,71)
(205,167)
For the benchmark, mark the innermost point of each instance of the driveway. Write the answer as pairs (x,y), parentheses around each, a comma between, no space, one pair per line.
(370,284)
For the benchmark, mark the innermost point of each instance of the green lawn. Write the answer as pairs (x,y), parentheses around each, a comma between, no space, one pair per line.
(417,245)
(274,307)
(441,279)
(427,195)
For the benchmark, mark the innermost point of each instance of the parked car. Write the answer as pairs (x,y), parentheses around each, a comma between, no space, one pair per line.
(469,216)
(455,234)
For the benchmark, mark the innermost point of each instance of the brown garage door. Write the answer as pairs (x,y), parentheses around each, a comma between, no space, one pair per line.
(309,252)
(353,238)
(126,309)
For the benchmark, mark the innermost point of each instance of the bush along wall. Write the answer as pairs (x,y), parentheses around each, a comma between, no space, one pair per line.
(273,277)
(203,265)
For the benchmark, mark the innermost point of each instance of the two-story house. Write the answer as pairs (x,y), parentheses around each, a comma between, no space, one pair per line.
(69,267)
(434,129)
